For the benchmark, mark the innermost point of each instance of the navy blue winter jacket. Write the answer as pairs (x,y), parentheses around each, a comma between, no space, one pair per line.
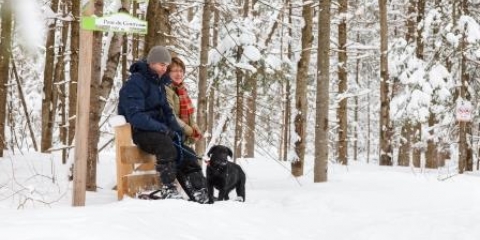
(143,101)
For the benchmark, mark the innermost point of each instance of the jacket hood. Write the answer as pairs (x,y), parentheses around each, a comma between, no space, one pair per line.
(142,68)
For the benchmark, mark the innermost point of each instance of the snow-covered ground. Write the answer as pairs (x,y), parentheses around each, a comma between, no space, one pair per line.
(358,202)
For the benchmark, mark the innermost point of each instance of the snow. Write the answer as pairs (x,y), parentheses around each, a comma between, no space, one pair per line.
(361,201)
(472,28)
(117,120)
(252,53)
(26,13)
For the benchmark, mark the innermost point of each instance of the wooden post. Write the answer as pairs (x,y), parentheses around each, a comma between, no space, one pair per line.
(123,136)
(83,109)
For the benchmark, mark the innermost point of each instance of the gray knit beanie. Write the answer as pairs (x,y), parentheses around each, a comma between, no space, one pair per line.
(159,54)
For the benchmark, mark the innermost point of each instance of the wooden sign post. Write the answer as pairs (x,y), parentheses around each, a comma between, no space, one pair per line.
(119,22)
(83,110)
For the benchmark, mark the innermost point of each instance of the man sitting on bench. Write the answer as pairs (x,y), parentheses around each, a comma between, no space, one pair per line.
(155,130)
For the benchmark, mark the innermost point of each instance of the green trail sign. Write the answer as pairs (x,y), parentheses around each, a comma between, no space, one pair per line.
(119,22)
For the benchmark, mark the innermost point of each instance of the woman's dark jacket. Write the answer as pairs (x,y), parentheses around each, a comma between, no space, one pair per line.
(143,101)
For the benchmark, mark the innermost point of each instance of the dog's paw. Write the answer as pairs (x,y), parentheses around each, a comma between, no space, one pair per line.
(239,199)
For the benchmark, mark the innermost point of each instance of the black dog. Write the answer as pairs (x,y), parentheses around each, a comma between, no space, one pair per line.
(224,175)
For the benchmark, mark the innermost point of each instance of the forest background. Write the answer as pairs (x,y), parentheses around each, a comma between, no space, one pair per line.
(284,78)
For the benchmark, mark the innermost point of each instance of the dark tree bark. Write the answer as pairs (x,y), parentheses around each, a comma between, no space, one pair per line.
(48,106)
(385,124)
(322,101)
(342,85)
(5,53)
(203,76)
(301,103)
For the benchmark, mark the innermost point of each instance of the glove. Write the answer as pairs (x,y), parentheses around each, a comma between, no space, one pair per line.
(196,134)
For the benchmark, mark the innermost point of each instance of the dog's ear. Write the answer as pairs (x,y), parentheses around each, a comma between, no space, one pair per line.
(229,151)
(209,154)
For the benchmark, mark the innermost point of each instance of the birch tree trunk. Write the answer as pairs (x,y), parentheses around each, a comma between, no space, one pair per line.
(320,173)
(203,76)
(5,53)
(301,103)
(342,85)
(110,71)
(47,102)
(59,88)
(385,125)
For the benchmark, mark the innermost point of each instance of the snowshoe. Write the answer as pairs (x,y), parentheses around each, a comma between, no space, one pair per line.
(162,193)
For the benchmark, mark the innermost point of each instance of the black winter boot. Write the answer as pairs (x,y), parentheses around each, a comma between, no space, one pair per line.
(195,186)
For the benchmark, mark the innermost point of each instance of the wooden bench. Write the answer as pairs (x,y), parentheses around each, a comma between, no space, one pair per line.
(135,168)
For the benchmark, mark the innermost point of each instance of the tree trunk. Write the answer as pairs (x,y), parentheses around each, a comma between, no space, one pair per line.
(385,125)
(322,102)
(95,111)
(74,49)
(251,113)
(110,71)
(203,76)
(126,5)
(405,148)
(357,108)
(301,103)
(59,89)
(47,102)
(212,96)
(135,37)
(159,27)
(288,94)
(5,53)
(239,109)
(415,138)
(24,103)
(250,102)
(431,154)
(411,23)
(342,85)
(238,141)
(464,161)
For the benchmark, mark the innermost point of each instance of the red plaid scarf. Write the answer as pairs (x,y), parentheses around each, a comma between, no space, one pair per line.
(186,106)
